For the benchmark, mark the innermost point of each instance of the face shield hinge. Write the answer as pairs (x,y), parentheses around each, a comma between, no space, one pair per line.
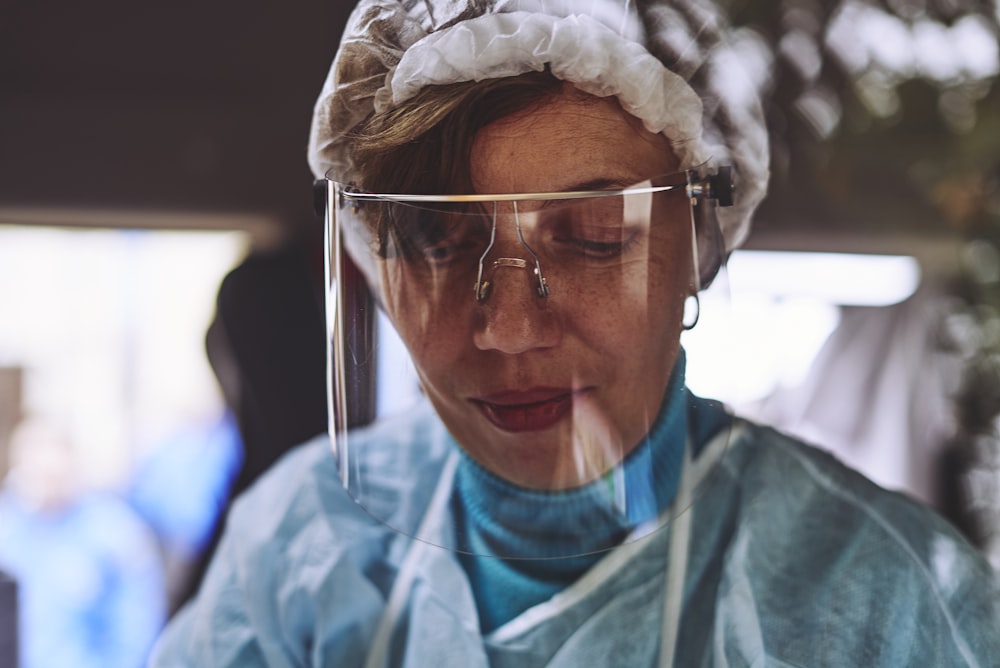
(718,186)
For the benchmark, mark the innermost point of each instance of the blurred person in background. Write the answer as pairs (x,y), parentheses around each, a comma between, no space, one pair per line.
(202,460)
(90,580)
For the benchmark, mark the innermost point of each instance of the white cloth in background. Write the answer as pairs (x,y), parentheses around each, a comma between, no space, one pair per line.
(879,395)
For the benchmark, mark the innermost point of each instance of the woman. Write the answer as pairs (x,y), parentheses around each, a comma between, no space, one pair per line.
(535,194)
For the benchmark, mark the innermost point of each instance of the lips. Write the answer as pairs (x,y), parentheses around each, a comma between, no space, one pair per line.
(524,411)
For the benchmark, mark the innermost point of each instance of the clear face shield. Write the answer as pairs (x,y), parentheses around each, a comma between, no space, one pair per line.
(545,332)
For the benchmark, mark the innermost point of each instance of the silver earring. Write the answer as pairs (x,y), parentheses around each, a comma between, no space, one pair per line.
(691,313)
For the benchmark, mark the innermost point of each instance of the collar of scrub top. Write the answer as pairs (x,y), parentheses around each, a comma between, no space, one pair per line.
(434,532)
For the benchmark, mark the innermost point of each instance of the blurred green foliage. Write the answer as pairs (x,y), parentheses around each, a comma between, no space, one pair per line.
(884,115)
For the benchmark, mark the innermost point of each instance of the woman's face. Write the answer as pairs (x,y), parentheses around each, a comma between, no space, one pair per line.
(550,392)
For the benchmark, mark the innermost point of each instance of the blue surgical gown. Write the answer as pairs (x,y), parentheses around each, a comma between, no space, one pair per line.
(794,560)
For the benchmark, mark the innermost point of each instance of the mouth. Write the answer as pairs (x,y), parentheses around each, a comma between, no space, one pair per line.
(526,411)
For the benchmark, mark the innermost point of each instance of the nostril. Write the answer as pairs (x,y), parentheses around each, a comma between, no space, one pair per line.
(513,329)
(511,318)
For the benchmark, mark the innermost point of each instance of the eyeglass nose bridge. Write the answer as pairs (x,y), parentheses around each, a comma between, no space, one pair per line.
(484,286)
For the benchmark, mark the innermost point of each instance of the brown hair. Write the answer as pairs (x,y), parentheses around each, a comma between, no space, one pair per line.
(424,145)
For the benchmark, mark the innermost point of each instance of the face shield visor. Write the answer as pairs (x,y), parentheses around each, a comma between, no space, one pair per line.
(544,329)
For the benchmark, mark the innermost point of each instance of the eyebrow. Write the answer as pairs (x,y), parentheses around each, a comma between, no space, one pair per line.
(602,183)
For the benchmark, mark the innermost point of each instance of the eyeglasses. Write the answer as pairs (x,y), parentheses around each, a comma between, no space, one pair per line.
(437,242)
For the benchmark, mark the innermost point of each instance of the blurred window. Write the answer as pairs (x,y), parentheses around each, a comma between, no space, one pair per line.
(109,327)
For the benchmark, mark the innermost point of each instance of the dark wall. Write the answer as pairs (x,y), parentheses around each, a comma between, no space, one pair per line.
(180,105)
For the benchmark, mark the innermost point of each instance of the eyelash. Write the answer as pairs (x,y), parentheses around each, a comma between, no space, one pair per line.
(599,249)
(450,247)
(445,253)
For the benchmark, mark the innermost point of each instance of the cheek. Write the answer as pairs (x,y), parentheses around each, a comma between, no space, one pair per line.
(645,303)
(635,329)
(432,332)
(410,314)
(638,336)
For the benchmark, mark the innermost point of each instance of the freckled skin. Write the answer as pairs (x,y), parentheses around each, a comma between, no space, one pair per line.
(611,340)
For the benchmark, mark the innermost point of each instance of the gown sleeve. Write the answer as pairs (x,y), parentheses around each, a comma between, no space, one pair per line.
(298,579)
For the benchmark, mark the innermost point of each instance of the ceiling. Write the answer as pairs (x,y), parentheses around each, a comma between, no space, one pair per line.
(114,105)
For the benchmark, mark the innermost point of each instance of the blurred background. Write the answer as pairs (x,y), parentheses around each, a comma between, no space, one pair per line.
(161,336)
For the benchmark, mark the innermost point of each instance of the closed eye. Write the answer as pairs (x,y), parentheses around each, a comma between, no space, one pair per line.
(592,247)
(452,250)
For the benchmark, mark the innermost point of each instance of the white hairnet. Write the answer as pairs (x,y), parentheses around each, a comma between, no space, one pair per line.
(662,59)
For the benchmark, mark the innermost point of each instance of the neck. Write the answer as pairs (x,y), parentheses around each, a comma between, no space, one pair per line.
(546,539)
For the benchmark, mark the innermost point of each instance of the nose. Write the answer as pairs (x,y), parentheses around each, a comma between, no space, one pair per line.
(484,281)
(514,318)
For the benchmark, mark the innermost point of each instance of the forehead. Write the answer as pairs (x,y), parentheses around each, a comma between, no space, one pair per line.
(570,141)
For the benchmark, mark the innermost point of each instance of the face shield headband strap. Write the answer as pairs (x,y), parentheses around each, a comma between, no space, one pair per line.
(717,186)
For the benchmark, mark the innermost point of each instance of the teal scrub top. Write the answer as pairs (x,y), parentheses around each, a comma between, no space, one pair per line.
(793,559)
